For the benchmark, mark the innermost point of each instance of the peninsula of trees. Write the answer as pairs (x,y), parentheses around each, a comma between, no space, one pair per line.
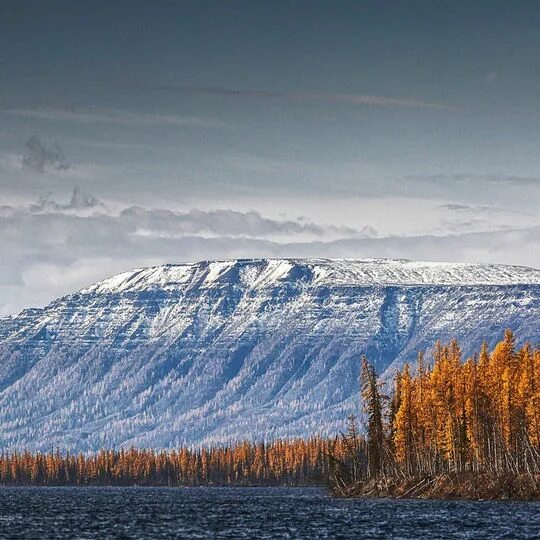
(467,429)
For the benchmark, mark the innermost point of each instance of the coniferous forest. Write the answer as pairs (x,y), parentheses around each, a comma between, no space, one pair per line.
(454,427)
(446,427)
(287,463)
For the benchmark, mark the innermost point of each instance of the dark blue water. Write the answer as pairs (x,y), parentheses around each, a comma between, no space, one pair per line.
(250,513)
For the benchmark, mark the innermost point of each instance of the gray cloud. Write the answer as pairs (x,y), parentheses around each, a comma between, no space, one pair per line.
(80,200)
(39,156)
(159,222)
(454,207)
(115,117)
(352,99)
(460,209)
(460,217)
(452,179)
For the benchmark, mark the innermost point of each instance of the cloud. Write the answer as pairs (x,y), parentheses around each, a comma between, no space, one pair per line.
(80,200)
(115,117)
(39,156)
(250,224)
(451,179)
(52,248)
(491,211)
(164,223)
(458,217)
(352,99)
(455,207)
(41,248)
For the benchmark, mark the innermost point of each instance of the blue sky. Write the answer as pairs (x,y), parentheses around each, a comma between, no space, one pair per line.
(215,129)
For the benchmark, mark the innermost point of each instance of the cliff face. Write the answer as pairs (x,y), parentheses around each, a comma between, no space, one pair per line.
(225,350)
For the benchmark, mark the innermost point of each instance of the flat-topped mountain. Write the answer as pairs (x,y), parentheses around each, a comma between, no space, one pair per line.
(226,350)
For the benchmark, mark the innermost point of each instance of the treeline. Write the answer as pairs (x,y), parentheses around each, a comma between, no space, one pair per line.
(282,462)
(474,418)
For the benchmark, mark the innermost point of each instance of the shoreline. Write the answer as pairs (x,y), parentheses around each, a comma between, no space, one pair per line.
(471,487)
(465,486)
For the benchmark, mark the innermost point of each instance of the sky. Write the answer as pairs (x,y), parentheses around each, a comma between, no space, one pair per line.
(139,133)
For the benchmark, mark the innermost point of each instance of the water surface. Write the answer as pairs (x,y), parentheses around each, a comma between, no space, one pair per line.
(250,513)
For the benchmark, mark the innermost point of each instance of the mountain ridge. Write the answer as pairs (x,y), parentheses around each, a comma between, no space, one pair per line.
(423,270)
(206,352)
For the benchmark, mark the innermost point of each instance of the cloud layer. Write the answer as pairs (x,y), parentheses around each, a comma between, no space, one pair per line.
(52,248)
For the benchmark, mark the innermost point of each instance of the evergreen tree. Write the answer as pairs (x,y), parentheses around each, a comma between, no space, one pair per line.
(372,406)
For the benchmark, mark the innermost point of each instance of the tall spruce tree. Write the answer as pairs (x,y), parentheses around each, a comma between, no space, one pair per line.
(372,406)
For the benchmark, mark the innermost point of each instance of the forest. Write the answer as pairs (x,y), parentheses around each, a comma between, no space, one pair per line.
(282,462)
(451,427)
(447,427)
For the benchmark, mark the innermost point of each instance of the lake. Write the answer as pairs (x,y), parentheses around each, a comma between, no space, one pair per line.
(250,513)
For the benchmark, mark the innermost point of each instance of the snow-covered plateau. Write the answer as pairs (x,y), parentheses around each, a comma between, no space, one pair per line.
(240,349)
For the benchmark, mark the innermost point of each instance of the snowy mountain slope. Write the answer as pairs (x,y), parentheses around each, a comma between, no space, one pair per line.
(205,352)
